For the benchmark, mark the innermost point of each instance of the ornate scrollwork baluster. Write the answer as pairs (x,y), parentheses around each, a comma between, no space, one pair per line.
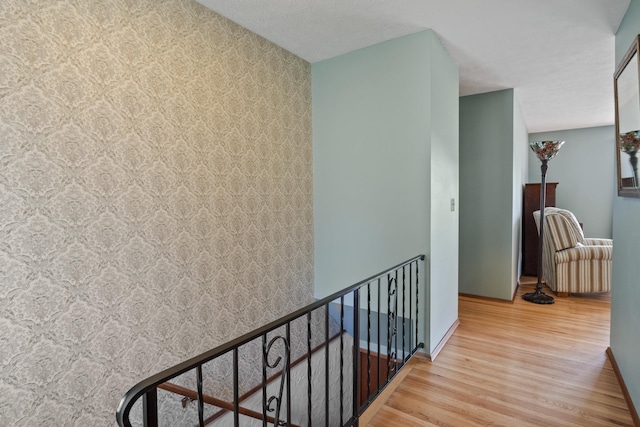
(392,295)
(277,400)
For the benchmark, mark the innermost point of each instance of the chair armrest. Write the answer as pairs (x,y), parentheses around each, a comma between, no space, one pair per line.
(580,253)
(598,242)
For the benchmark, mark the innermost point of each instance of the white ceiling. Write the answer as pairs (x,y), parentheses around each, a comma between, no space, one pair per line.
(558,55)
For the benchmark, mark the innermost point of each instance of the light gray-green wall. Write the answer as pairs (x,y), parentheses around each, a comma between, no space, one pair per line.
(385,168)
(625,292)
(520,172)
(444,187)
(584,171)
(492,170)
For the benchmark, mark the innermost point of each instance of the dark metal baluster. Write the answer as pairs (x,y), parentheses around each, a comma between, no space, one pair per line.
(288,368)
(410,308)
(417,300)
(404,295)
(378,316)
(284,377)
(309,368)
(395,326)
(326,365)
(264,380)
(150,408)
(389,314)
(356,353)
(200,397)
(341,358)
(236,392)
(368,340)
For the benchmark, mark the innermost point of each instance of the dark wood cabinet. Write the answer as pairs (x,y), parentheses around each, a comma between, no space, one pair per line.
(531,203)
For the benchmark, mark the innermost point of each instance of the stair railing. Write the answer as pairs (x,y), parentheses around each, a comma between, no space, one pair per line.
(376,321)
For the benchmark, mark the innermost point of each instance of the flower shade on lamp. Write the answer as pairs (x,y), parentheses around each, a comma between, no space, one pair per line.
(630,141)
(630,144)
(545,151)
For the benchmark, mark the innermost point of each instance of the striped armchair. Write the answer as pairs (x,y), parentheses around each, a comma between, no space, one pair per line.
(572,263)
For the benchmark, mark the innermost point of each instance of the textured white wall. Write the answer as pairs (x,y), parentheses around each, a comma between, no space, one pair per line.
(155,196)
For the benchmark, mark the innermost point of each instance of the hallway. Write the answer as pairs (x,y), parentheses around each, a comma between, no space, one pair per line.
(517,364)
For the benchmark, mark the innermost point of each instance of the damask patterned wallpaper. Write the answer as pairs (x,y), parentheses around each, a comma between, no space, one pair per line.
(155,196)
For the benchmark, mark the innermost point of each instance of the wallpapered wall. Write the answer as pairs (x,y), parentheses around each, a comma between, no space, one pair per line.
(155,196)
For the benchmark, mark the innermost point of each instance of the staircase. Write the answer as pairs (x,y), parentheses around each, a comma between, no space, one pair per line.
(322,365)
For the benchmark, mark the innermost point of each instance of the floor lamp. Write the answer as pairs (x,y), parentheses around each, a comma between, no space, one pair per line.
(545,151)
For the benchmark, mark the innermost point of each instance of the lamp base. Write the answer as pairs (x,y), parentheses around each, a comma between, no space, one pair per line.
(538,297)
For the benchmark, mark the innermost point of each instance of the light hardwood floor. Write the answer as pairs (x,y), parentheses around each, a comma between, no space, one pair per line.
(515,365)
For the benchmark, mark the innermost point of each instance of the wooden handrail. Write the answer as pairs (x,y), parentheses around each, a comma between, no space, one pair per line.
(191,394)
